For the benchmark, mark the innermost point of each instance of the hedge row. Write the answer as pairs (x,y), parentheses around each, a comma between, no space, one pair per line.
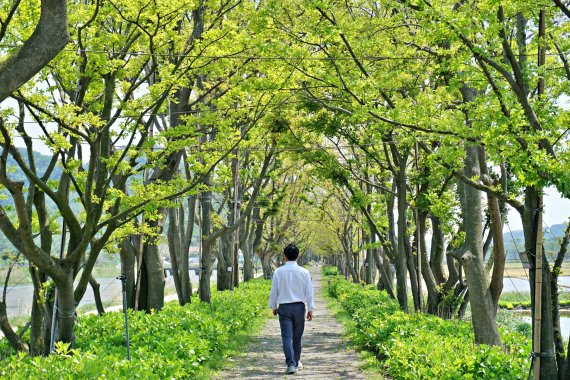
(509,305)
(173,343)
(422,346)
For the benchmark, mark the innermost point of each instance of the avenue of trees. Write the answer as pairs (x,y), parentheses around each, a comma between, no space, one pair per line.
(356,129)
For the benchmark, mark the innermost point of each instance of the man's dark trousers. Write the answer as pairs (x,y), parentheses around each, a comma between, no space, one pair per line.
(292,321)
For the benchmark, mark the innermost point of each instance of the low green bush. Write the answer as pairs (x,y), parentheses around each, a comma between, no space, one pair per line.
(173,343)
(423,346)
(330,271)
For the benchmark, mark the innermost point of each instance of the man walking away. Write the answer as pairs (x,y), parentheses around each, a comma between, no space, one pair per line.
(291,290)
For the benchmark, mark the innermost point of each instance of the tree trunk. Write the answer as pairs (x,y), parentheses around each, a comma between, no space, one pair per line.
(224,277)
(154,280)
(401,256)
(248,257)
(386,280)
(175,250)
(38,344)
(14,339)
(127,255)
(482,311)
(206,259)
(97,295)
(66,310)
(437,252)
(561,357)
(428,276)
(350,267)
(266,266)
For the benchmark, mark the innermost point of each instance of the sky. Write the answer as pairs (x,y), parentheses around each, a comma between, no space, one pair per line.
(556,210)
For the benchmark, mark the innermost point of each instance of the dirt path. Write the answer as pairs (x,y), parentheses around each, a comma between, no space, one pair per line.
(325,354)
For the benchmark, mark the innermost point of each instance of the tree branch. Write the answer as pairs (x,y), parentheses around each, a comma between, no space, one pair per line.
(48,39)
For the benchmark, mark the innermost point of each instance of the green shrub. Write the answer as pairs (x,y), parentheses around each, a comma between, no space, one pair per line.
(173,343)
(330,271)
(423,346)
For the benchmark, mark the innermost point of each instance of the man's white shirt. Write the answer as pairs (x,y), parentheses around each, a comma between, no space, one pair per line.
(291,283)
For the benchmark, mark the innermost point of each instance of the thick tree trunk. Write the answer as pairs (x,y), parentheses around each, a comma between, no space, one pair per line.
(437,252)
(429,278)
(224,277)
(401,256)
(206,259)
(38,343)
(350,267)
(127,255)
(248,259)
(413,276)
(266,266)
(175,250)
(66,310)
(386,279)
(482,310)
(154,278)
(561,356)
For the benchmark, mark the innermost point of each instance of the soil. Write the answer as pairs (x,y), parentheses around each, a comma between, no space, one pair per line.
(325,352)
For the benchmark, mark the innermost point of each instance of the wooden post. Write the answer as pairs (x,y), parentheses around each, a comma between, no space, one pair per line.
(418,245)
(538,289)
(234,279)
(538,257)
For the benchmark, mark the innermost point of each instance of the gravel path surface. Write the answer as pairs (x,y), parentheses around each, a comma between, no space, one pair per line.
(325,353)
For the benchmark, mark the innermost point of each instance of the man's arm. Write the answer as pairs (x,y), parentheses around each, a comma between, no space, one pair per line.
(309,295)
(273,293)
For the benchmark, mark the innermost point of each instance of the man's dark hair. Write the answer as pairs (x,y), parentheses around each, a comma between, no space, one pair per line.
(291,252)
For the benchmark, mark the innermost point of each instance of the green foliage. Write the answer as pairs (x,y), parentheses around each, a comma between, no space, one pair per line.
(331,271)
(422,346)
(176,342)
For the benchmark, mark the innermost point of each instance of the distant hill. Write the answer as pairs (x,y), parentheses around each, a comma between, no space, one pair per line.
(42,163)
(552,237)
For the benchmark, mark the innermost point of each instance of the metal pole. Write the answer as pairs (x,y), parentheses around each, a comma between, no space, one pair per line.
(123,279)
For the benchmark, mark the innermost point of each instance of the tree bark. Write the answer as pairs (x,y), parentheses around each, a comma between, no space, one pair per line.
(95,286)
(49,37)
(66,310)
(437,252)
(483,316)
(128,260)
(206,259)
(401,255)
(14,339)
(429,278)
